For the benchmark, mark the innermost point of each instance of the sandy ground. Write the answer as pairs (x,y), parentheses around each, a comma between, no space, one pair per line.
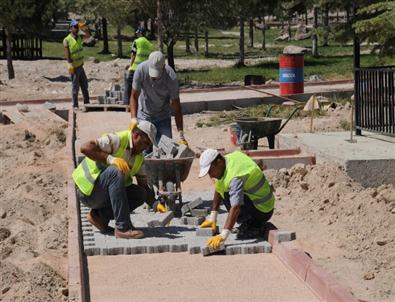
(33,217)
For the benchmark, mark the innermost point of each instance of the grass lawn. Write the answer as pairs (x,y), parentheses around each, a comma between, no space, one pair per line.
(335,61)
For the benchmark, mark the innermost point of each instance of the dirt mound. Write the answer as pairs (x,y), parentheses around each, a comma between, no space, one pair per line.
(33,219)
(348,229)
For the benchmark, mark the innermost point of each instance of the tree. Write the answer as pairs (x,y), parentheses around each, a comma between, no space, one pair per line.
(29,16)
(376,23)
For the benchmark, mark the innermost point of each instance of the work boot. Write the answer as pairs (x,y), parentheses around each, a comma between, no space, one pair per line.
(102,224)
(129,234)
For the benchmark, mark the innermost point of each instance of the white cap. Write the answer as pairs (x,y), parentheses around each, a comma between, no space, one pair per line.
(149,129)
(206,159)
(156,64)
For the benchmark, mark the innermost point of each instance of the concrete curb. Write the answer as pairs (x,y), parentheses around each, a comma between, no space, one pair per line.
(76,280)
(322,284)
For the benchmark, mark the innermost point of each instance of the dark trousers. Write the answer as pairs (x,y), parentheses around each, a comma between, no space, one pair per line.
(128,87)
(248,212)
(112,199)
(79,79)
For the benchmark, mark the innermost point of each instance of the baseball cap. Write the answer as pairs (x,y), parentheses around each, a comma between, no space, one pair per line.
(149,129)
(73,23)
(207,157)
(140,30)
(156,64)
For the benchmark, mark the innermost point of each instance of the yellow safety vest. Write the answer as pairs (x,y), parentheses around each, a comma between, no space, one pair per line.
(88,170)
(256,187)
(144,48)
(76,50)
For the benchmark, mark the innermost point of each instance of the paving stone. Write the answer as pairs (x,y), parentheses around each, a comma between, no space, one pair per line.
(208,232)
(195,221)
(285,236)
(191,205)
(178,248)
(92,251)
(195,249)
(161,219)
(135,250)
(233,250)
(206,251)
(101,99)
(200,212)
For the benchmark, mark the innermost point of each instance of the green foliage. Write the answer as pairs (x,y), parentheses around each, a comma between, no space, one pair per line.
(377,24)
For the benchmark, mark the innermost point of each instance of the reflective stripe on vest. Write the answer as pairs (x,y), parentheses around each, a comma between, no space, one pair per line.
(144,48)
(76,50)
(256,187)
(88,171)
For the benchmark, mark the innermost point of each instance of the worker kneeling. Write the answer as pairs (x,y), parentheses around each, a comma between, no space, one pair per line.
(242,187)
(104,178)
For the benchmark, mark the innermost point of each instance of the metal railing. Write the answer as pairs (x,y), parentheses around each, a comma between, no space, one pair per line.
(24,46)
(375,100)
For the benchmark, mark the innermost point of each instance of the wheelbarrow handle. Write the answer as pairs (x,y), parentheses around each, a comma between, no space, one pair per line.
(289,117)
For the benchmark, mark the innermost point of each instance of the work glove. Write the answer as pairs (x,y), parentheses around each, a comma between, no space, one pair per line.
(70,68)
(133,124)
(215,241)
(182,140)
(210,222)
(161,208)
(119,163)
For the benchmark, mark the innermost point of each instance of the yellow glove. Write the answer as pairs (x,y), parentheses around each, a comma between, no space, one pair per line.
(215,241)
(161,208)
(133,124)
(207,223)
(120,163)
(70,68)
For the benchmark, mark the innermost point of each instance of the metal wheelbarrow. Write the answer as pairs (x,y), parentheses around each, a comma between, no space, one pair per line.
(166,176)
(252,129)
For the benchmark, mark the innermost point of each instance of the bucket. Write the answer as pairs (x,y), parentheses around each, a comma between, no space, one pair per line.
(291,74)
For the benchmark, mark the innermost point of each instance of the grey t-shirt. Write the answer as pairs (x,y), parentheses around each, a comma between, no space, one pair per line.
(236,192)
(155,95)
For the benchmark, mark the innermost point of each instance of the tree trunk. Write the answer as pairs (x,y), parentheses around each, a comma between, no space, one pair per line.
(10,67)
(159,17)
(314,36)
(306,13)
(289,30)
(119,43)
(251,33)
(206,43)
(263,33)
(170,54)
(241,43)
(105,49)
(187,43)
(196,39)
(326,26)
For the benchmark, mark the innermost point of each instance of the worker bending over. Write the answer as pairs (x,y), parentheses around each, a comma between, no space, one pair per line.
(104,178)
(241,185)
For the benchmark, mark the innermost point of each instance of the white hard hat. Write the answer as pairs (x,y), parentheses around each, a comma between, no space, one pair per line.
(207,157)
(156,63)
(149,129)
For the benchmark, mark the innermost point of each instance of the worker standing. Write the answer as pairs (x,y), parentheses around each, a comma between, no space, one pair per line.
(73,51)
(104,178)
(155,95)
(241,185)
(141,48)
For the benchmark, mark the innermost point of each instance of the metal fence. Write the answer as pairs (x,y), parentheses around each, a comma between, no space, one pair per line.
(24,46)
(375,100)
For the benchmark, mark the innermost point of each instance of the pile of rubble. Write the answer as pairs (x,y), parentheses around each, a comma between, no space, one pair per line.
(114,95)
(168,148)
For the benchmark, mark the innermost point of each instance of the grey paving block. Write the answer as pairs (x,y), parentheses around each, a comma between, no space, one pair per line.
(286,236)
(178,248)
(191,205)
(195,249)
(206,232)
(160,219)
(206,251)
(200,212)
(116,251)
(195,221)
(104,252)
(163,248)
(135,250)
(101,99)
(92,251)
(233,250)
(117,87)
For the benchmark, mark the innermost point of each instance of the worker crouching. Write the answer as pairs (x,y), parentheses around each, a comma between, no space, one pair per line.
(104,178)
(241,185)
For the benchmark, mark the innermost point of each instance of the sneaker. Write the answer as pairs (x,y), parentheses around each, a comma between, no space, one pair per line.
(94,218)
(129,234)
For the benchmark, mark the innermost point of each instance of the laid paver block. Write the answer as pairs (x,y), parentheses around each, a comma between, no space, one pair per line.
(233,250)
(206,231)
(160,219)
(191,205)
(163,248)
(178,248)
(195,249)
(135,250)
(92,251)
(206,251)
(285,236)
(195,221)
(200,212)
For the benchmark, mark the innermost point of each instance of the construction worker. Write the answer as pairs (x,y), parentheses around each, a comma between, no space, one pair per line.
(141,48)
(104,178)
(155,95)
(74,54)
(241,185)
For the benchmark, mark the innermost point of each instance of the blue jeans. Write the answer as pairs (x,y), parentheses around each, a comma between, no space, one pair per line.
(128,87)
(163,127)
(112,199)
(79,79)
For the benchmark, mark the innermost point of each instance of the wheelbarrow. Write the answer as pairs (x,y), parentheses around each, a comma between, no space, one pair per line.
(166,176)
(252,129)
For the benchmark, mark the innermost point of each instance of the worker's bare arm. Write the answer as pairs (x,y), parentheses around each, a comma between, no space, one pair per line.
(232,217)
(91,150)
(176,106)
(216,201)
(134,102)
